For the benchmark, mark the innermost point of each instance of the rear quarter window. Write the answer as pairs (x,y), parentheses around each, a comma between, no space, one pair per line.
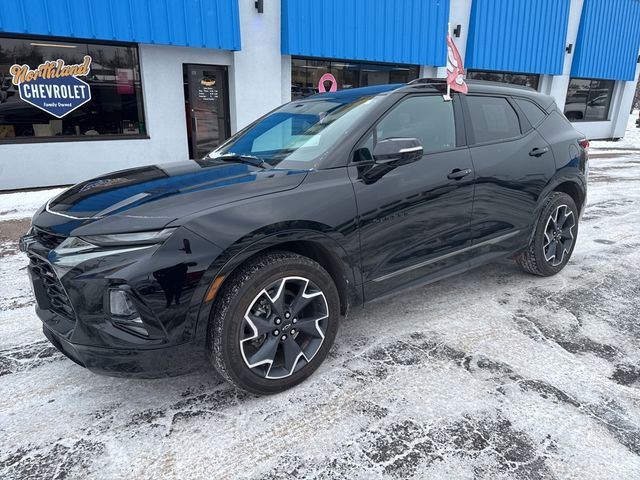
(492,119)
(534,114)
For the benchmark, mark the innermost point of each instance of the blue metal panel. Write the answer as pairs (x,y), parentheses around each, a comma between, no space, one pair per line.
(399,31)
(525,36)
(608,40)
(191,23)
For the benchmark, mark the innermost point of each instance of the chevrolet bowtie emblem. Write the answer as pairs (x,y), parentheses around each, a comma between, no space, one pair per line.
(25,242)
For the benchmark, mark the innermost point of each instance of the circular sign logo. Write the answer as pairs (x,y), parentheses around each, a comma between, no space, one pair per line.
(327,77)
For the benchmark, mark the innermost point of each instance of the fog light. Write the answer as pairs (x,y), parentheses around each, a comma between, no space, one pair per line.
(120,305)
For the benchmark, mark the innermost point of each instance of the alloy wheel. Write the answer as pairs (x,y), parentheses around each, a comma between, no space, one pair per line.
(284,327)
(558,235)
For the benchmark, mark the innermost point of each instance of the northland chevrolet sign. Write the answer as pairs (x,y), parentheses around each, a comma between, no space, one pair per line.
(54,86)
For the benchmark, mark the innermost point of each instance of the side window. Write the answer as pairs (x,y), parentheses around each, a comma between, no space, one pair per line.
(492,118)
(428,118)
(364,152)
(533,113)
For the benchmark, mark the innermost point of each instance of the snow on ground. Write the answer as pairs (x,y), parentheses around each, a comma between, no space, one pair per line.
(493,374)
(24,204)
(631,138)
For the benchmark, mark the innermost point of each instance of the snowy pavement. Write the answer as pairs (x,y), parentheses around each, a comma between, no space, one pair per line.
(494,374)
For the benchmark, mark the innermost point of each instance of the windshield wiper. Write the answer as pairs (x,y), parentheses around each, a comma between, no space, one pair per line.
(250,159)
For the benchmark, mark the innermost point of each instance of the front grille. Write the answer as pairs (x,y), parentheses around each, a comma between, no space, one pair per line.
(53,289)
(48,239)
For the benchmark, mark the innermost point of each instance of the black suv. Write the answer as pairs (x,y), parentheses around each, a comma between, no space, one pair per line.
(248,258)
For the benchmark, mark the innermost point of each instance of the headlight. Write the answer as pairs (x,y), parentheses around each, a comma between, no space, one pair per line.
(73,245)
(75,250)
(138,238)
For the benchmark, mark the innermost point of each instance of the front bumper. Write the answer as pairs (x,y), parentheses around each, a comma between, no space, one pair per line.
(168,283)
(139,363)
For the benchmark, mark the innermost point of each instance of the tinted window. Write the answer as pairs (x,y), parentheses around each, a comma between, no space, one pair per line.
(306,73)
(300,132)
(524,79)
(104,97)
(533,113)
(588,100)
(429,119)
(492,118)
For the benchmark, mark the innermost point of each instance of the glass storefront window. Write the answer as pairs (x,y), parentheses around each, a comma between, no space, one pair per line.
(82,90)
(588,100)
(306,73)
(524,79)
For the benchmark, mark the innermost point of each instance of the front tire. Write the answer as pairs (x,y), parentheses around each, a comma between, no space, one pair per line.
(554,238)
(273,323)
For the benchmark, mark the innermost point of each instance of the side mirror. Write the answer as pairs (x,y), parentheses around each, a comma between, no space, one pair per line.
(397,151)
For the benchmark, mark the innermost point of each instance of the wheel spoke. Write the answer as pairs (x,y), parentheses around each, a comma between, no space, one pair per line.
(551,251)
(569,220)
(266,353)
(277,301)
(301,301)
(561,216)
(260,325)
(567,243)
(310,326)
(292,352)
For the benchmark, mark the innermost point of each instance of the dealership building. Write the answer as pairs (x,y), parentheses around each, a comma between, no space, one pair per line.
(92,86)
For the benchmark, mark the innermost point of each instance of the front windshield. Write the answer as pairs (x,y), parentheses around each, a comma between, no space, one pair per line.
(298,134)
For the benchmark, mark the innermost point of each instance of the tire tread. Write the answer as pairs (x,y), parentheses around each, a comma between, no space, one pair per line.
(223,303)
(528,259)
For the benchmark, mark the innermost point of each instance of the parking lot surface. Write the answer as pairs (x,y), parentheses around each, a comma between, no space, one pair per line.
(494,374)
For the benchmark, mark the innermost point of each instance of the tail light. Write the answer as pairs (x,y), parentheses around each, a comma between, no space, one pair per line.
(584,143)
(584,159)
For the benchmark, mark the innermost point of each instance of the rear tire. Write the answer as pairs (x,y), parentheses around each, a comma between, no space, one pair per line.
(554,237)
(274,322)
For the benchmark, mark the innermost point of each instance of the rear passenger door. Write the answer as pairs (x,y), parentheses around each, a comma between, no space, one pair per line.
(512,163)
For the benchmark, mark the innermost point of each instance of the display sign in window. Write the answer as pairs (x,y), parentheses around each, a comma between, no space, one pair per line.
(59,90)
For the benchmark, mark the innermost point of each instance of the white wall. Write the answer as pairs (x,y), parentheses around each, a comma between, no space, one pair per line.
(557,85)
(62,163)
(620,117)
(257,81)
(459,14)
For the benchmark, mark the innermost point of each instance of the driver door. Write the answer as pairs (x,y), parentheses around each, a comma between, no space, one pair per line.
(414,220)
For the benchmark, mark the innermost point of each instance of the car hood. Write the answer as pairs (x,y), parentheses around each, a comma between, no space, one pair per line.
(152,197)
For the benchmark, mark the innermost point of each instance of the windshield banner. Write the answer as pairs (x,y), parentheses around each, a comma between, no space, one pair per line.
(54,86)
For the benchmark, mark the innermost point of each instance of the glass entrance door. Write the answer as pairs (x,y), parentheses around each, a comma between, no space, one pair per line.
(207,107)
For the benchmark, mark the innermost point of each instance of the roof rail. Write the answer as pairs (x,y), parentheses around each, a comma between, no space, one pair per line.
(426,80)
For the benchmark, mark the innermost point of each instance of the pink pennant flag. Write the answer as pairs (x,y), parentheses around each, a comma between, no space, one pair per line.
(455,70)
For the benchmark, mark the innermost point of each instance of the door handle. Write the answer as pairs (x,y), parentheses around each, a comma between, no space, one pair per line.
(457,174)
(537,152)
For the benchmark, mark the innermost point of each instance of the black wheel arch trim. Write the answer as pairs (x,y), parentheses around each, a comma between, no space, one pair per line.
(555,185)
(274,237)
